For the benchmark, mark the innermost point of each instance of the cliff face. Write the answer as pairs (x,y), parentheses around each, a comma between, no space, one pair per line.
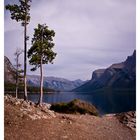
(9,71)
(120,75)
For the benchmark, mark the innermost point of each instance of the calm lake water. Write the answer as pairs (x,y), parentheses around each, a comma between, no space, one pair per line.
(109,101)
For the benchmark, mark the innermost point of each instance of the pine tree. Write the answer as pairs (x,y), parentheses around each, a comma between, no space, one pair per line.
(41,51)
(20,13)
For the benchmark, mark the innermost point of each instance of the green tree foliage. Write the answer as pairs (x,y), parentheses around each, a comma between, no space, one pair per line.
(20,13)
(41,51)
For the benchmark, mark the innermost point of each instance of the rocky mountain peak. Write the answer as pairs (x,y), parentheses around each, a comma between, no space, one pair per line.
(119,75)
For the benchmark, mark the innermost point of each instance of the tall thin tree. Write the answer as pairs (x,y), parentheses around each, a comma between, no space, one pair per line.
(41,51)
(18,65)
(20,13)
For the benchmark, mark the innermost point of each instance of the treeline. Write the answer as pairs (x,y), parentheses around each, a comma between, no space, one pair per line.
(9,87)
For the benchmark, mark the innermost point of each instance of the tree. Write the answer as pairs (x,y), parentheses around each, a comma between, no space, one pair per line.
(20,13)
(18,65)
(41,51)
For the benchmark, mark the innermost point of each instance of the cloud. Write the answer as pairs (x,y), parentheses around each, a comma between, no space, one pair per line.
(89,34)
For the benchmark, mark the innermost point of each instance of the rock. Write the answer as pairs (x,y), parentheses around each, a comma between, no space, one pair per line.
(128,119)
(29,109)
(31,103)
(45,105)
(21,115)
(133,120)
(34,117)
(69,122)
(17,102)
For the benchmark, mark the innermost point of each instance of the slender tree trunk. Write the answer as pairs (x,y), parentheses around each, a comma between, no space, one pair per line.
(41,73)
(17,78)
(41,83)
(25,52)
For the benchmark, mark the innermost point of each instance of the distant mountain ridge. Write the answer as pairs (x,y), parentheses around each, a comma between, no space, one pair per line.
(120,75)
(54,82)
(34,80)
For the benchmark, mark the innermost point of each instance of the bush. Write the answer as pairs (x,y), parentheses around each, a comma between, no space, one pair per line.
(74,107)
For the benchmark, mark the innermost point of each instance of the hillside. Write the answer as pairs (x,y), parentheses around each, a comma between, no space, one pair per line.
(9,71)
(120,75)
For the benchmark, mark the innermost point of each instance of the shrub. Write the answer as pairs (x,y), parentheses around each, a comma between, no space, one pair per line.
(74,107)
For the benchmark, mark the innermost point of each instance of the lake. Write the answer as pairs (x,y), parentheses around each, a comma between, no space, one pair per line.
(106,101)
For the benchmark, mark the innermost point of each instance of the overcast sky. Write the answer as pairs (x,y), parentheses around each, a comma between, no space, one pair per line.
(90,34)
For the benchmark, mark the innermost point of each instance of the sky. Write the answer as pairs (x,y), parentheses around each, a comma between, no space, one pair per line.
(90,34)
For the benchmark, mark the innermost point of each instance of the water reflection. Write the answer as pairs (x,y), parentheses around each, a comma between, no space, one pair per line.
(105,101)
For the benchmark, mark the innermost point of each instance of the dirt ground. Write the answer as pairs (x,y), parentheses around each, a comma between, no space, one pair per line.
(63,126)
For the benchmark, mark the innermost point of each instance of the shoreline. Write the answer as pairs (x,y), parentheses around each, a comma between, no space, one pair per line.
(100,113)
(27,121)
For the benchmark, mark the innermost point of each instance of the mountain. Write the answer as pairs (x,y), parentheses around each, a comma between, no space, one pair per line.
(54,82)
(34,80)
(9,71)
(120,75)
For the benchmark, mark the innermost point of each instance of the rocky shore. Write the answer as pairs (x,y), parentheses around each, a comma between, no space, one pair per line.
(128,119)
(26,120)
(30,109)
